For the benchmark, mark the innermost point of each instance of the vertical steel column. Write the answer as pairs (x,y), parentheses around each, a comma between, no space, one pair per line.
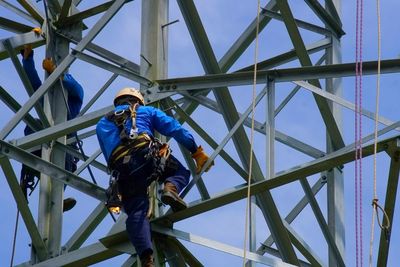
(52,192)
(270,128)
(335,183)
(154,58)
(252,229)
(154,48)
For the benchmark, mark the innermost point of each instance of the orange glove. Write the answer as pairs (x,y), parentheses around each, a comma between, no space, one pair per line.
(37,30)
(201,158)
(48,65)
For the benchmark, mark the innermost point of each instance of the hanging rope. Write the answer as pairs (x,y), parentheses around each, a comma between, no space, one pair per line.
(358,137)
(78,141)
(248,202)
(14,239)
(385,225)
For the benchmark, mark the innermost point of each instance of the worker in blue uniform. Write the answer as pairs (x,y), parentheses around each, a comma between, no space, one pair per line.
(74,100)
(126,136)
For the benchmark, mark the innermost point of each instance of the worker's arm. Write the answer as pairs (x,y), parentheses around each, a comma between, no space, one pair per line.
(75,94)
(73,87)
(28,64)
(168,126)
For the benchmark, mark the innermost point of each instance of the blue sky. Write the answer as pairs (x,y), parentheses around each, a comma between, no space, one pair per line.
(224,21)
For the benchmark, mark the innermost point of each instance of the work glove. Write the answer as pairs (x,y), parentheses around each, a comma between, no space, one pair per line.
(27,50)
(201,158)
(48,65)
(37,30)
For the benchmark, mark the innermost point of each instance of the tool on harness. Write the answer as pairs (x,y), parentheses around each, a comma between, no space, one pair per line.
(113,202)
(159,152)
(120,119)
(27,181)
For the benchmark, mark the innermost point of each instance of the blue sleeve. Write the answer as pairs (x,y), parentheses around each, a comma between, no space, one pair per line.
(108,136)
(102,147)
(168,126)
(73,87)
(29,67)
(75,95)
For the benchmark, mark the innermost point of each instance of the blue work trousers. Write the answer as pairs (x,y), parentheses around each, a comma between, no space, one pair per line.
(136,206)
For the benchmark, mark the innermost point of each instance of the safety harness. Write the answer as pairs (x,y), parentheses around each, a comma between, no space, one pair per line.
(154,152)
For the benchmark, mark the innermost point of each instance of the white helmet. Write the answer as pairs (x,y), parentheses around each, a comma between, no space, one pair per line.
(129,91)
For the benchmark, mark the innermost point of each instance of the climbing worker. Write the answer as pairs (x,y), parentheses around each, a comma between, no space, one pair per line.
(74,100)
(126,137)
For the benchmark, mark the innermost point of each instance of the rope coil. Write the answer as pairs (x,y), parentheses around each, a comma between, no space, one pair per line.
(385,224)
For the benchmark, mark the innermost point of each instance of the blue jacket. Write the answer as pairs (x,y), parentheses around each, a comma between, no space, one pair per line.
(148,119)
(75,90)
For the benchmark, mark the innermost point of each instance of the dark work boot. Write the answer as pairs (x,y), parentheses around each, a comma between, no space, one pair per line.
(147,261)
(69,203)
(170,197)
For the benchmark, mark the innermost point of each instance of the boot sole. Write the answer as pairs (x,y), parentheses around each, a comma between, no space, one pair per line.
(171,200)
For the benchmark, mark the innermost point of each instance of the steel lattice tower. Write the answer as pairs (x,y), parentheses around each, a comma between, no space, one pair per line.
(222,89)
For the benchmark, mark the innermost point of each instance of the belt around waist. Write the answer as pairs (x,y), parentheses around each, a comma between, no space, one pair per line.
(124,149)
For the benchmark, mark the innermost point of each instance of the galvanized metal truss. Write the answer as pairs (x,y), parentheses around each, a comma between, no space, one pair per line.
(185,95)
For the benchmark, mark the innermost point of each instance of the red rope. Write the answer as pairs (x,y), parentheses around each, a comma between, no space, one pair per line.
(358,136)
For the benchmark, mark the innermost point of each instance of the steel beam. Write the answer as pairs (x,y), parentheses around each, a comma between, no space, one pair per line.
(98,94)
(337,158)
(77,154)
(292,215)
(173,255)
(303,247)
(342,102)
(85,256)
(300,23)
(322,223)
(174,85)
(52,170)
(22,204)
(240,138)
(112,68)
(333,24)
(61,68)
(31,8)
(64,10)
(18,42)
(260,127)
(238,48)
(103,53)
(13,26)
(206,137)
(19,12)
(245,39)
(217,246)
(289,56)
(15,106)
(190,259)
(335,177)
(78,17)
(390,203)
(61,129)
(225,141)
(327,116)
(86,228)
(270,129)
